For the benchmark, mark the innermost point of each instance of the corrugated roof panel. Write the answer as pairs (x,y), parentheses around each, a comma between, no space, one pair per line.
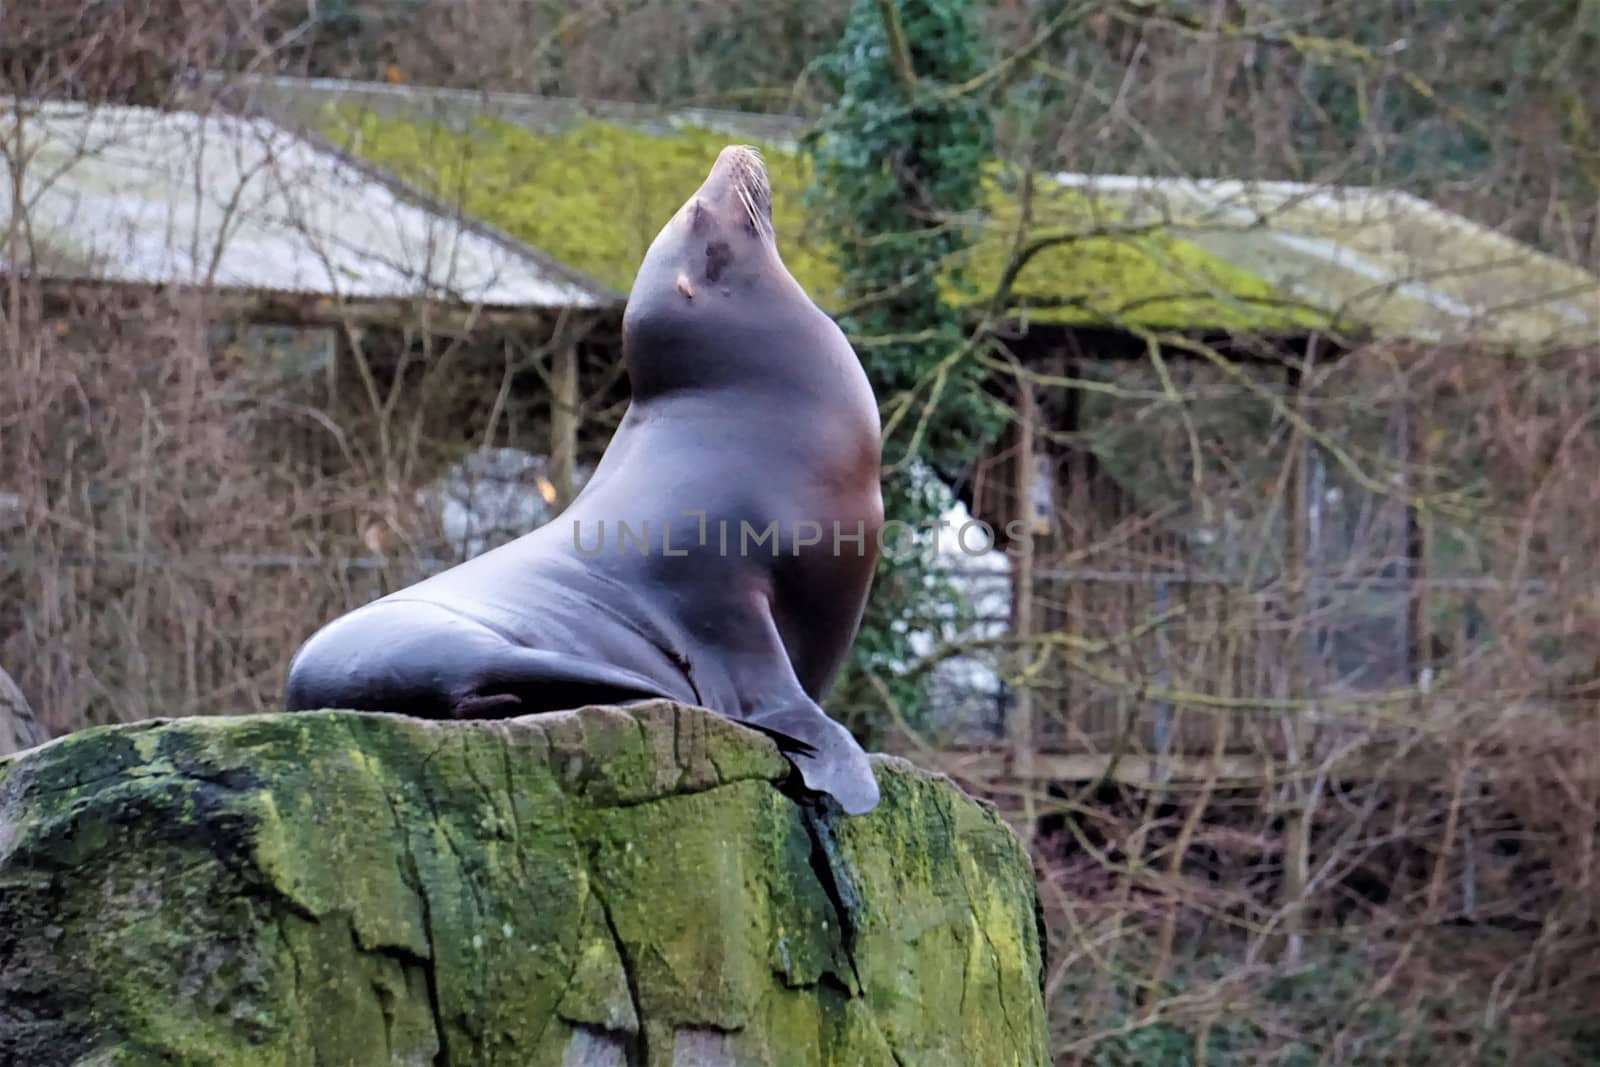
(144,196)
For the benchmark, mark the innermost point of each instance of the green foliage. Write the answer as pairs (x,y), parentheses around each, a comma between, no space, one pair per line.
(894,163)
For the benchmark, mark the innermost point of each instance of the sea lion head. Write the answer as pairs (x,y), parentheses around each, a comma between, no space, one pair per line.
(723,233)
(712,270)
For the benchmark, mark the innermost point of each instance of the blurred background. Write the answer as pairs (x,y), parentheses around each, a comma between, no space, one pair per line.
(1252,347)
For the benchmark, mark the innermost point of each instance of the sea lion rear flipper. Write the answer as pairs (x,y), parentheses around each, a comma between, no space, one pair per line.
(543,681)
(416,658)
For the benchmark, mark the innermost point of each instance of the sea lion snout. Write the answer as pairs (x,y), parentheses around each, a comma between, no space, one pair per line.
(736,191)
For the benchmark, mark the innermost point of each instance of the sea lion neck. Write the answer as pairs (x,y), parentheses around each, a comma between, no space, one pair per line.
(752,341)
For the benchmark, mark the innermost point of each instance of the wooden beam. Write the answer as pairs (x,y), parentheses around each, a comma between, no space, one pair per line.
(1305,670)
(293,308)
(1240,770)
(1419,542)
(564,402)
(1020,730)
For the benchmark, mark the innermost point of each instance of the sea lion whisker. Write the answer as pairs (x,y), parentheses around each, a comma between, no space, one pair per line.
(749,203)
(752,187)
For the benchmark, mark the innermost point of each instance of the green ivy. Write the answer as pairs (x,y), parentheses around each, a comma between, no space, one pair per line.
(893,164)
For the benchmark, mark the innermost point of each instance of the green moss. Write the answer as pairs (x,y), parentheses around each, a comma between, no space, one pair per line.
(594,195)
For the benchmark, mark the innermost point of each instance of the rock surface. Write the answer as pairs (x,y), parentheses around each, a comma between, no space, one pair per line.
(600,888)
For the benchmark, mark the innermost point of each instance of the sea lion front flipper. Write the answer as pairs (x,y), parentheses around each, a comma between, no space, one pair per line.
(771,700)
(826,755)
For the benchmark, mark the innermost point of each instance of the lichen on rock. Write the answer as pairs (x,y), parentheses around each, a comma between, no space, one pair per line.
(610,886)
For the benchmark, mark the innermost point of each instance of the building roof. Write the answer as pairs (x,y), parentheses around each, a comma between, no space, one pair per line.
(136,195)
(1392,262)
(590,184)
(562,197)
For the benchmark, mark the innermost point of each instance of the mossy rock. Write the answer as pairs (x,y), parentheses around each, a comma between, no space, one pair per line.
(610,886)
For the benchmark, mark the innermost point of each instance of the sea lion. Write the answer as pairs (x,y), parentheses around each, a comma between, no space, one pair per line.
(720,555)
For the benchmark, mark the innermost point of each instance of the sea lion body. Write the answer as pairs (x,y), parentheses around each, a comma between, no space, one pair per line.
(720,555)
